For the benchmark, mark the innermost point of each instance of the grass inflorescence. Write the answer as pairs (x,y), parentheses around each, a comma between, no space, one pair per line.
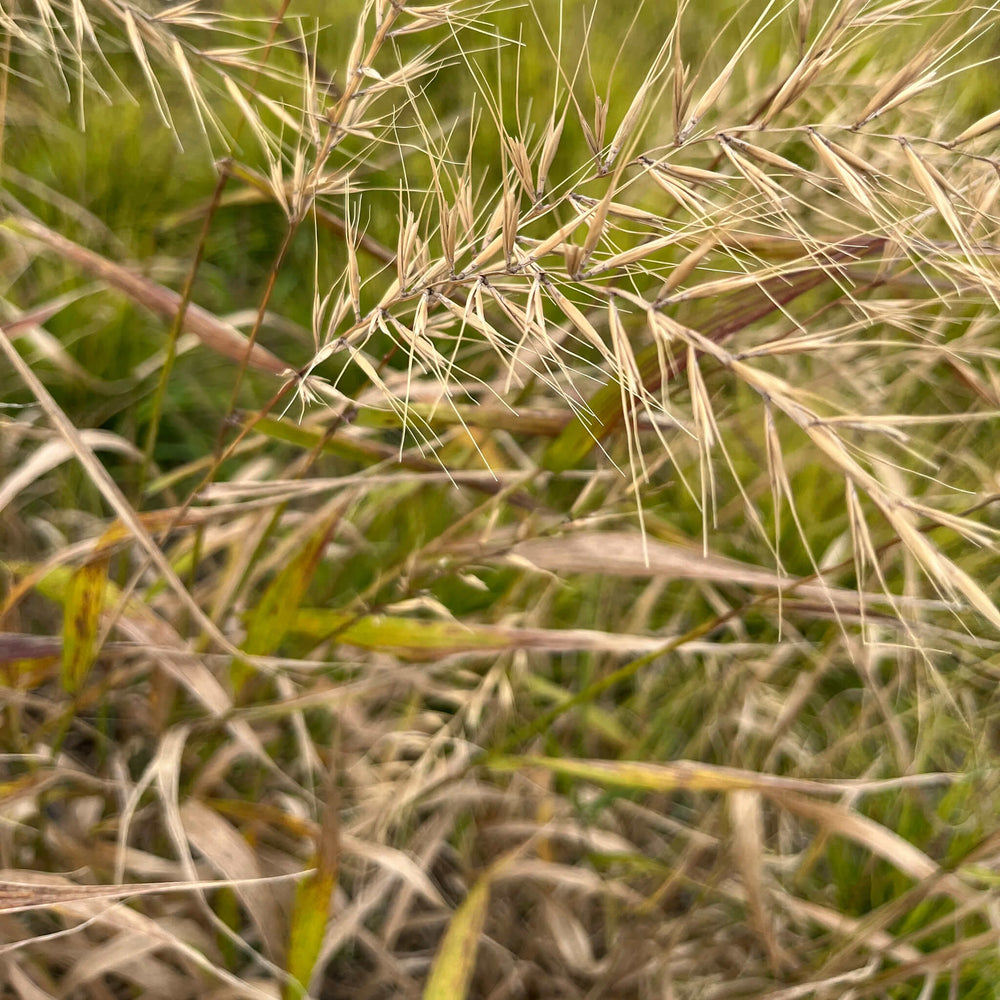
(499,500)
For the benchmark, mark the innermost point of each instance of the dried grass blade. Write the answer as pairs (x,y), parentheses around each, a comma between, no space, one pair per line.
(122,919)
(834,818)
(120,954)
(229,853)
(19,890)
(746,817)
(54,453)
(111,492)
(212,332)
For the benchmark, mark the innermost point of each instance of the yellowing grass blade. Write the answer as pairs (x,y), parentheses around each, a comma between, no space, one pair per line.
(695,776)
(308,925)
(455,961)
(312,902)
(81,622)
(268,621)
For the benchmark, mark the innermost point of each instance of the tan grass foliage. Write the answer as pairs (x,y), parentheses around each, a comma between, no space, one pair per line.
(571,572)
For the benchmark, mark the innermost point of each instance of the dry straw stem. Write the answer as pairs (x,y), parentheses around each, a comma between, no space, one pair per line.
(21,890)
(211,331)
(110,490)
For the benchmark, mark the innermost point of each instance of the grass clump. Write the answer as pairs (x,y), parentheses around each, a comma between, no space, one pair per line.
(499,501)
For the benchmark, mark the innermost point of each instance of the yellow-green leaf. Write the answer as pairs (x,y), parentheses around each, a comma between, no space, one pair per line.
(695,776)
(456,958)
(682,774)
(451,971)
(308,925)
(268,622)
(312,902)
(81,622)
(413,638)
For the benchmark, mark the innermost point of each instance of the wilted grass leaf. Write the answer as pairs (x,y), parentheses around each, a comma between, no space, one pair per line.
(19,891)
(230,854)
